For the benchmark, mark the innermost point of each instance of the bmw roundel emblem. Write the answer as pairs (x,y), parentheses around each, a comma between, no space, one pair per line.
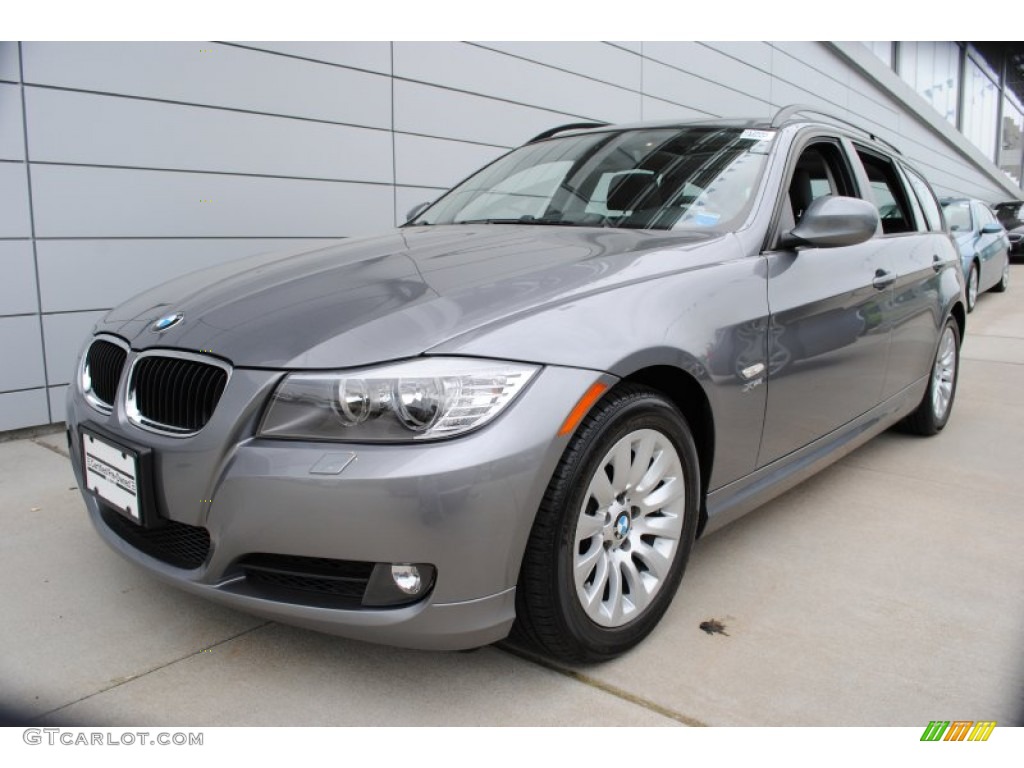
(622,526)
(167,321)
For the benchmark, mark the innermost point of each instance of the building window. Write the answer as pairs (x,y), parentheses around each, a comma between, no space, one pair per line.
(1010,138)
(981,102)
(933,70)
(882,50)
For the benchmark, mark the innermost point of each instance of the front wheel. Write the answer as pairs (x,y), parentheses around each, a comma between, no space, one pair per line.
(937,404)
(614,531)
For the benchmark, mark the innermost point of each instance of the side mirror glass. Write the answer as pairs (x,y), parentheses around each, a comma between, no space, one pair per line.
(831,222)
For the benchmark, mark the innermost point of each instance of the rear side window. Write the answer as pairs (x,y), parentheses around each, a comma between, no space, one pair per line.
(890,196)
(932,212)
(915,205)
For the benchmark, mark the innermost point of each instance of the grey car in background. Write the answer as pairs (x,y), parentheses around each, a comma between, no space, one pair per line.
(518,412)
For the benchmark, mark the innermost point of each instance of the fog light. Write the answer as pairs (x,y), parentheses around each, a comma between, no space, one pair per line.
(395,584)
(407,578)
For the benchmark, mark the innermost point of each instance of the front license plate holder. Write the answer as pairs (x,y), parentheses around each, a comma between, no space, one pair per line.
(117,475)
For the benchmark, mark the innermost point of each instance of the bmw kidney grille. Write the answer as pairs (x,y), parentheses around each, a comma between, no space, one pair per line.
(168,391)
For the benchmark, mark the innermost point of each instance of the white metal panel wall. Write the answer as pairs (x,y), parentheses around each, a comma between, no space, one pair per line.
(147,160)
(12,139)
(23,397)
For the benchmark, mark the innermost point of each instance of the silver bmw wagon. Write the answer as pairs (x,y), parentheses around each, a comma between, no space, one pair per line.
(518,411)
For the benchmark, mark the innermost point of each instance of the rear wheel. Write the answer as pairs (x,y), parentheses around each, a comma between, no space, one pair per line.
(936,405)
(972,287)
(614,531)
(1004,282)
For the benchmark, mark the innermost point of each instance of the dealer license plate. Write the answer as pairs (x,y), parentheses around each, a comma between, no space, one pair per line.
(111,472)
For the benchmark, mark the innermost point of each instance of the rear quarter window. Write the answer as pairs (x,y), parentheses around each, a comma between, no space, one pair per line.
(925,196)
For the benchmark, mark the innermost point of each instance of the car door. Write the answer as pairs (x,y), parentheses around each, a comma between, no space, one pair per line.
(989,246)
(923,256)
(828,336)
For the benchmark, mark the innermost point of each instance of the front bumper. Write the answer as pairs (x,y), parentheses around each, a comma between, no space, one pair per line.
(465,506)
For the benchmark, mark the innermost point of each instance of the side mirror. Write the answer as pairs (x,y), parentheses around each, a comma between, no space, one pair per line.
(992,229)
(831,222)
(415,211)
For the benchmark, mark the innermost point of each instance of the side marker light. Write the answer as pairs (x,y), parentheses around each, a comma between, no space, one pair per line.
(576,415)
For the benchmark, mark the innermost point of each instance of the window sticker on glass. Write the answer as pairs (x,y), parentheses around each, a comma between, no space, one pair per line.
(750,133)
(706,219)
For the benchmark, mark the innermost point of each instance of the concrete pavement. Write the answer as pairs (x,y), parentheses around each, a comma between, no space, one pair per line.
(884,591)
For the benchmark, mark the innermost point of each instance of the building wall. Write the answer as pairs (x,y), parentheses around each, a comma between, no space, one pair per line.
(125,164)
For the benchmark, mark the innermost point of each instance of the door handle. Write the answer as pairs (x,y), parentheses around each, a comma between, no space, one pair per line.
(936,263)
(883,279)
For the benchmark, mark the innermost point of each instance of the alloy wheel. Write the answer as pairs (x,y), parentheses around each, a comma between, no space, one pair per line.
(629,527)
(944,374)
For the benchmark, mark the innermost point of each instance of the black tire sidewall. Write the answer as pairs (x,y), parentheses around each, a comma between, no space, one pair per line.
(619,418)
(976,276)
(1004,279)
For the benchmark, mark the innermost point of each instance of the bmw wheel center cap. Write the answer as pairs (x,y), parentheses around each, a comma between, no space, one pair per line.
(167,321)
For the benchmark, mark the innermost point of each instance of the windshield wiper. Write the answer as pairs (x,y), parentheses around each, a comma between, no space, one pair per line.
(489,221)
(527,220)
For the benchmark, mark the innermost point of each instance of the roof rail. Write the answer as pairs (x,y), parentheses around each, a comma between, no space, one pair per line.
(787,112)
(567,127)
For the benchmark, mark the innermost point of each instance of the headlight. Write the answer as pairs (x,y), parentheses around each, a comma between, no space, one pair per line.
(422,399)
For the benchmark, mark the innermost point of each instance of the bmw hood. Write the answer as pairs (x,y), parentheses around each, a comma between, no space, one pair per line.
(376,299)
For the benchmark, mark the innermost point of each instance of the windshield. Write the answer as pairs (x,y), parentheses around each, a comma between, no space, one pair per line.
(696,178)
(958,215)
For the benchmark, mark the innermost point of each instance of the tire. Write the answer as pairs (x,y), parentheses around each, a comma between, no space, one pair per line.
(1004,282)
(611,539)
(937,404)
(972,287)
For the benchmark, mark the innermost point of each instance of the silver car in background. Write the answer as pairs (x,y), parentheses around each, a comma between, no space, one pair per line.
(518,412)
(984,246)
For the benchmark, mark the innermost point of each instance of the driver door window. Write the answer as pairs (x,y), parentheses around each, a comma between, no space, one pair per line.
(819,172)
